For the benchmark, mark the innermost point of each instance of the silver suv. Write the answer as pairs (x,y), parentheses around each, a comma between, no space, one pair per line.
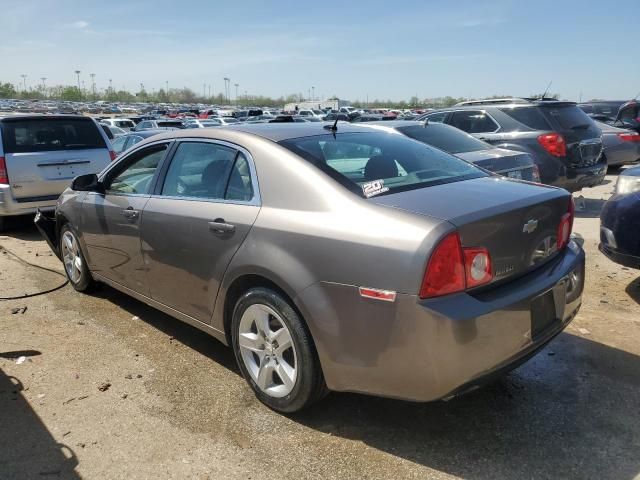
(41,154)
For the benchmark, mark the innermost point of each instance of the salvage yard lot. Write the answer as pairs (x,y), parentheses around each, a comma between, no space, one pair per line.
(111,388)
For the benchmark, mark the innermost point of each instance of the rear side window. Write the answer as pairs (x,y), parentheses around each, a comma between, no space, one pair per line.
(51,134)
(473,121)
(569,117)
(445,138)
(529,117)
(380,163)
(437,117)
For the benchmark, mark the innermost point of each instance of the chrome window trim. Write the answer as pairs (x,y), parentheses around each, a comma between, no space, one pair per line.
(256,200)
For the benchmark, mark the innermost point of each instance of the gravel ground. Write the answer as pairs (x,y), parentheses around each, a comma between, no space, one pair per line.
(103,387)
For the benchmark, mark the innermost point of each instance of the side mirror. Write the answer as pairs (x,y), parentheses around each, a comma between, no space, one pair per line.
(87,183)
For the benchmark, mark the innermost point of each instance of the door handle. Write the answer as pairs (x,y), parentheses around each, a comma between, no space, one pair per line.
(130,213)
(219,226)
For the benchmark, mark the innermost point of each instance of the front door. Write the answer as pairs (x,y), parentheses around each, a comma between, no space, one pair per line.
(191,229)
(111,220)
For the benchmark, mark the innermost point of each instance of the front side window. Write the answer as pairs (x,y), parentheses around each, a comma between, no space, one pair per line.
(208,171)
(381,163)
(473,121)
(135,177)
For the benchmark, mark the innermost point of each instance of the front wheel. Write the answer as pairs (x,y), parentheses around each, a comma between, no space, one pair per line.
(275,352)
(75,265)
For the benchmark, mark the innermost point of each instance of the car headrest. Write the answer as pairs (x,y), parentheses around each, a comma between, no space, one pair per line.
(380,166)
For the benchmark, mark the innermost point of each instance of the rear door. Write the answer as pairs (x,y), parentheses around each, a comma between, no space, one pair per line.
(195,222)
(478,123)
(43,155)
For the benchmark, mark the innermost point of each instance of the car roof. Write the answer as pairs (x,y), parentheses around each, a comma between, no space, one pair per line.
(275,132)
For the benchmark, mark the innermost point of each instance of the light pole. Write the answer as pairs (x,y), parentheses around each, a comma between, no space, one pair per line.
(226,88)
(93,84)
(236,85)
(44,86)
(110,87)
(24,82)
(313,93)
(78,75)
(204,90)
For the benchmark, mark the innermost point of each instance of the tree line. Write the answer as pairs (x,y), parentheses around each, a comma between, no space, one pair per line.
(186,95)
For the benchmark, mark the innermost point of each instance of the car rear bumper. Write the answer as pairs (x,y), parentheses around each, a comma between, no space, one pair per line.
(577,178)
(9,206)
(425,350)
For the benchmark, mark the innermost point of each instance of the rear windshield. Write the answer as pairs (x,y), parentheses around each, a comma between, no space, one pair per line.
(50,134)
(445,138)
(529,117)
(569,117)
(170,124)
(377,163)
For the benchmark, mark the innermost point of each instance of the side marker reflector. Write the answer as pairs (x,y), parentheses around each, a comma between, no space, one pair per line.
(385,295)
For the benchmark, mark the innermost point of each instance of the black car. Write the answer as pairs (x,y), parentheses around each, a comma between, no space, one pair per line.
(564,142)
(512,164)
(620,221)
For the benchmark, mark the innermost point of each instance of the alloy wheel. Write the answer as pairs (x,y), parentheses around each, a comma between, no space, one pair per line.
(267,350)
(71,256)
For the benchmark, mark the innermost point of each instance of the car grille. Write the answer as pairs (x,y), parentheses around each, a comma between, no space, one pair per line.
(589,153)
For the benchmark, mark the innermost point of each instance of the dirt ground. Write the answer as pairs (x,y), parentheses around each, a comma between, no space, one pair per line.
(106,387)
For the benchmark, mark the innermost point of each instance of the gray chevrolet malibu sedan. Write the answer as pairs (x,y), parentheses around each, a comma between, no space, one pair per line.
(329,256)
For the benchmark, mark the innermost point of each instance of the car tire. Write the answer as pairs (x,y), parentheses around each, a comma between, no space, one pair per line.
(275,352)
(75,265)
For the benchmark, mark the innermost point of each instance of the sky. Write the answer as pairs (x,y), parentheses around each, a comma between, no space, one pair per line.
(349,48)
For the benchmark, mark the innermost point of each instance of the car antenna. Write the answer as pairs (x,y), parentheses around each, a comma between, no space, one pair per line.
(334,127)
(545,92)
(426,122)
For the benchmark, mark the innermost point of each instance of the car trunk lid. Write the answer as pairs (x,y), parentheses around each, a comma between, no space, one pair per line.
(517,222)
(509,163)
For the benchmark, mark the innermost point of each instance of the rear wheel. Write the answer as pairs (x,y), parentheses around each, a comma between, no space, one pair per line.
(75,265)
(275,352)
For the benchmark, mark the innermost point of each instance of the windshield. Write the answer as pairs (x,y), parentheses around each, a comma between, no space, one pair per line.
(379,163)
(445,138)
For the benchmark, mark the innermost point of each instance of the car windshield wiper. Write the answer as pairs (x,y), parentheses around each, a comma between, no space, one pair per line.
(582,126)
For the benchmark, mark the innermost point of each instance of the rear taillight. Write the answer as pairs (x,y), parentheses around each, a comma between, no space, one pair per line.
(453,268)
(629,137)
(554,144)
(566,226)
(4,176)
(112,154)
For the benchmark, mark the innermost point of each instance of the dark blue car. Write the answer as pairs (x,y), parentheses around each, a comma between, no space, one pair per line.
(620,221)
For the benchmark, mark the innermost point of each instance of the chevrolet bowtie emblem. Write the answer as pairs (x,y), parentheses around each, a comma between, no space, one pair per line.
(530,226)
